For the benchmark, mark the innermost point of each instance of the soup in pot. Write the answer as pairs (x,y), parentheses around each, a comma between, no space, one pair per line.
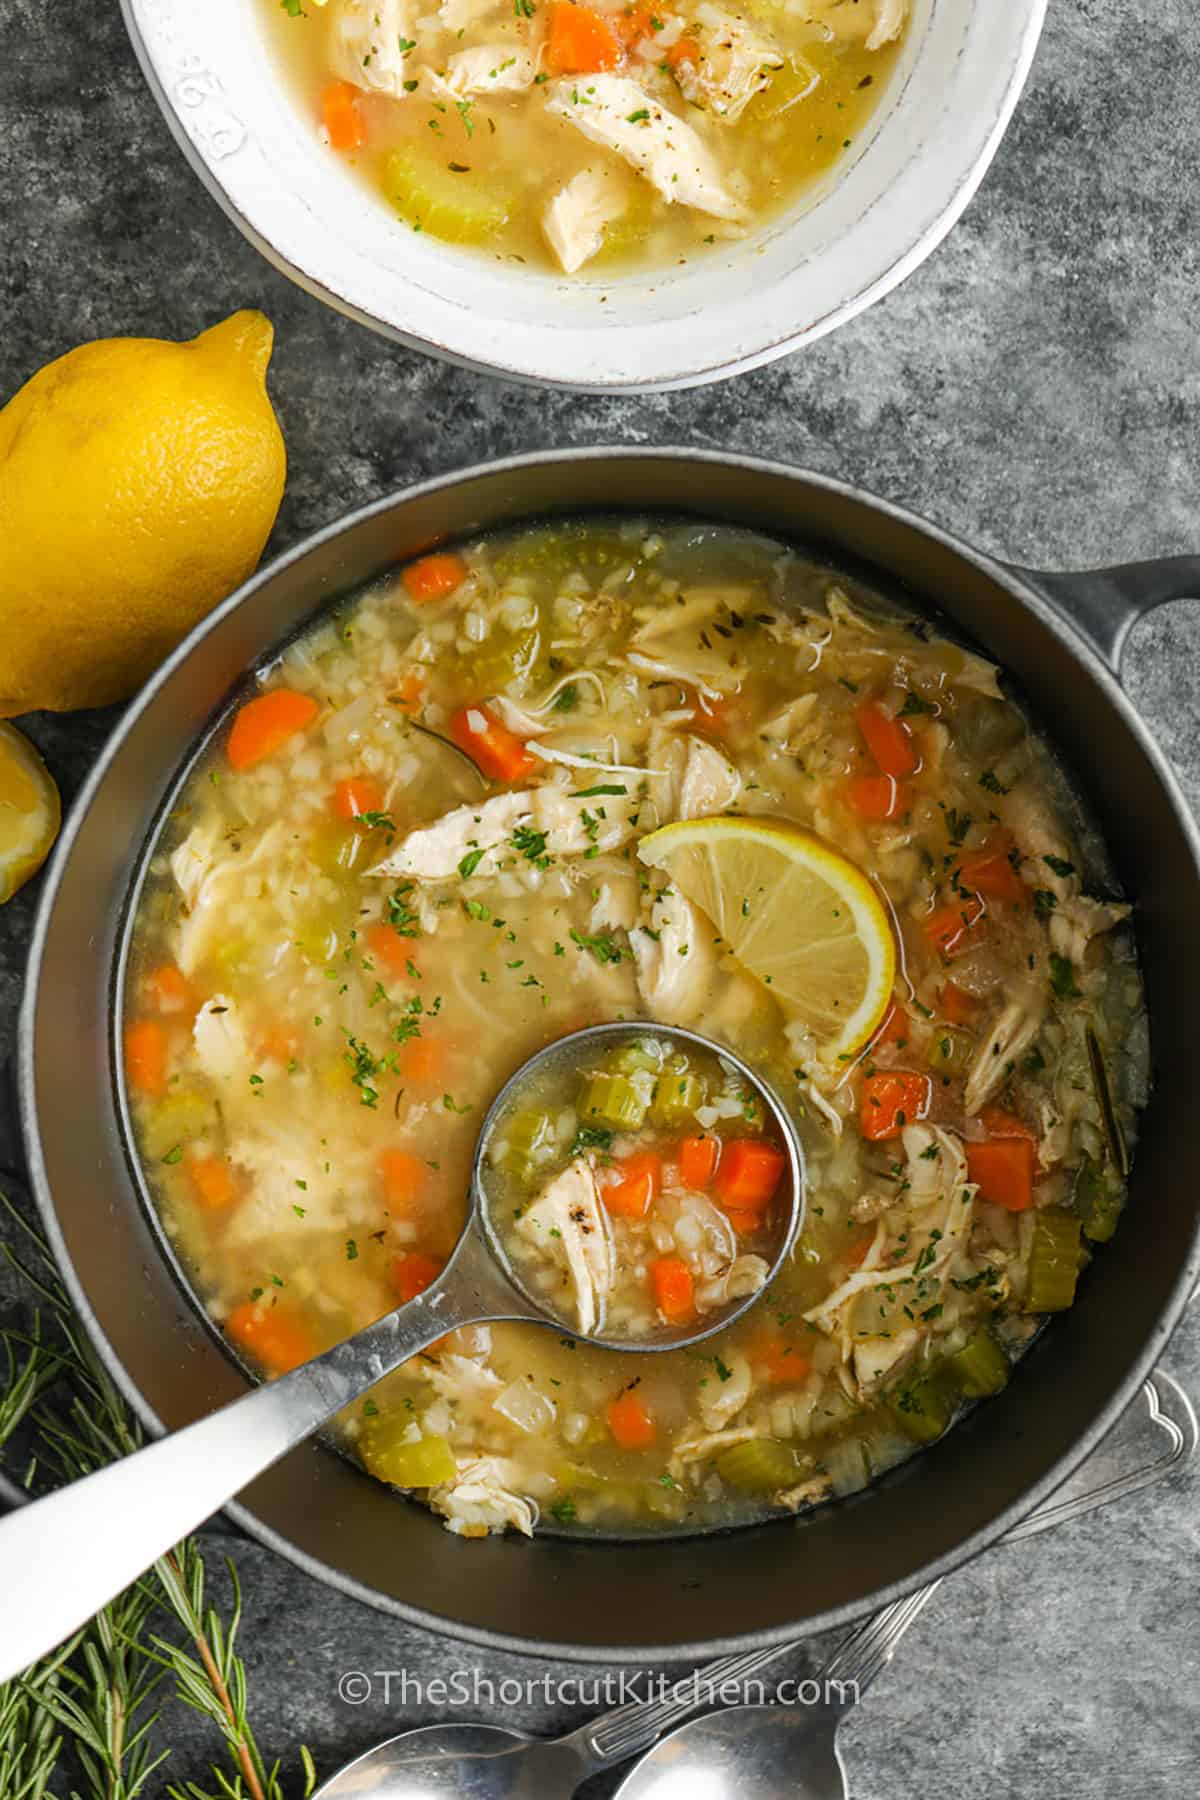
(666,773)
(588,133)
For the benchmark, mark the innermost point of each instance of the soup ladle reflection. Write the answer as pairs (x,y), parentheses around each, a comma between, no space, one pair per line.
(65,1556)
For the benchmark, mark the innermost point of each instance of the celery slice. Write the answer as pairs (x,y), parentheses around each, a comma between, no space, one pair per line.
(530,1139)
(923,1409)
(676,1096)
(1054,1261)
(459,207)
(980,1367)
(1100,1196)
(386,1452)
(759,1466)
(613,1100)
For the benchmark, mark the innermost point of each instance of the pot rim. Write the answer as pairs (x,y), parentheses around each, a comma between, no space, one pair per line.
(820,286)
(1020,587)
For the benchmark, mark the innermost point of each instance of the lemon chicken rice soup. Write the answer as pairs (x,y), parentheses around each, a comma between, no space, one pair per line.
(668,773)
(566,133)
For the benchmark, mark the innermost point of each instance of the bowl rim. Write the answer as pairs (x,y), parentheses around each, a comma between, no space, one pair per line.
(544,358)
(1017,583)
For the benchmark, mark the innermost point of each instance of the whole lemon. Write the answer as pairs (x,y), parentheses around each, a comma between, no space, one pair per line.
(139,481)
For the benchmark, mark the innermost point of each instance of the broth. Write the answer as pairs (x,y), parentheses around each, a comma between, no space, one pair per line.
(413,858)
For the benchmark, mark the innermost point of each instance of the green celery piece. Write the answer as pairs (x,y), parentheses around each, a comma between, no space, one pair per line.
(1100,1197)
(613,1100)
(422,1464)
(759,1466)
(1054,1261)
(676,1097)
(980,1367)
(923,1408)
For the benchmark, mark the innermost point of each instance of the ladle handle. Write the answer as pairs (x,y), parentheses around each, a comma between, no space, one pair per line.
(64,1557)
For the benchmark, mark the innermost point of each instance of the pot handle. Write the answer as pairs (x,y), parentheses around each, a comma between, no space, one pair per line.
(1105,604)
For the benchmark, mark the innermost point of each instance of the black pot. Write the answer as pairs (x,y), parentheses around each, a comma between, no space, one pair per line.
(1060,635)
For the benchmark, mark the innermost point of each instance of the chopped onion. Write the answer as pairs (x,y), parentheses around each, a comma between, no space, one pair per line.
(527,1408)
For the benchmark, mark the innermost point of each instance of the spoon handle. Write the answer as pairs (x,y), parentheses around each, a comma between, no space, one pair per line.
(65,1556)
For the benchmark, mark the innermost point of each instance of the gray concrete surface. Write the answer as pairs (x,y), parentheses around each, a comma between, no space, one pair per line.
(1035,386)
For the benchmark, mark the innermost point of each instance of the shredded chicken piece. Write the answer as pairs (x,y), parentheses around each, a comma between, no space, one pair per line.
(210,873)
(734,64)
(434,852)
(875,1358)
(364,44)
(480,1500)
(488,69)
(1075,922)
(721,1400)
(808,1493)
(674,959)
(1010,1036)
(877,22)
(615,112)
(576,216)
(220,1040)
(569,1225)
(710,782)
(696,1445)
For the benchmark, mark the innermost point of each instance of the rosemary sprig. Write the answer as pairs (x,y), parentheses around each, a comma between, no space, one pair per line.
(91,1701)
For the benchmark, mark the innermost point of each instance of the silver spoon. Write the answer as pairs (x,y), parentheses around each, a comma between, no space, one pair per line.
(65,1556)
(1153,1438)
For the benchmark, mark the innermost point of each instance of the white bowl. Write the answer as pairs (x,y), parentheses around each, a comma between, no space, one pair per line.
(889,203)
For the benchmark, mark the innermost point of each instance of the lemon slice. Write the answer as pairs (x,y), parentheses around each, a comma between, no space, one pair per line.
(795,912)
(29,811)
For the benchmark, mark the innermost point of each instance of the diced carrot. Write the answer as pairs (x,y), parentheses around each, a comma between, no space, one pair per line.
(955,928)
(633,1194)
(408,695)
(499,752)
(274,1336)
(170,991)
(357,795)
(341,117)
(581,41)
(697,1158)
(895,1029)
(674,1289)
(278,1044)
(423,1060)
(956,1006)
(266,723)
(435,576)
(405,1179)
(779,1360)
(630,1422)
(745,1224)
(213,1184)
(389,949)
(879,797)
(889,740)
(891,1099)
(748,1175)
(413,1273)
(1000,1124)
(990,870)
(146,1046)
(1003,1168)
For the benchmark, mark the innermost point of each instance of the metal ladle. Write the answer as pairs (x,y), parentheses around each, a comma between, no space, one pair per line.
(67,1555)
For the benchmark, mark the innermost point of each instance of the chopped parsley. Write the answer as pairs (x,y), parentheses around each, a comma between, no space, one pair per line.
(1059,865)
(566,700)
(563,1510)
(403,918)
(531,845)
(915,705)
(990,781)
(175,1155)
(609,787)
(958,824)
(471,862)
(602,946)
(1044,902)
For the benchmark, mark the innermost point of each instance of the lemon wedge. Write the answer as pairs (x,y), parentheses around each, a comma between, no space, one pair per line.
(29,811)
(795,912)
